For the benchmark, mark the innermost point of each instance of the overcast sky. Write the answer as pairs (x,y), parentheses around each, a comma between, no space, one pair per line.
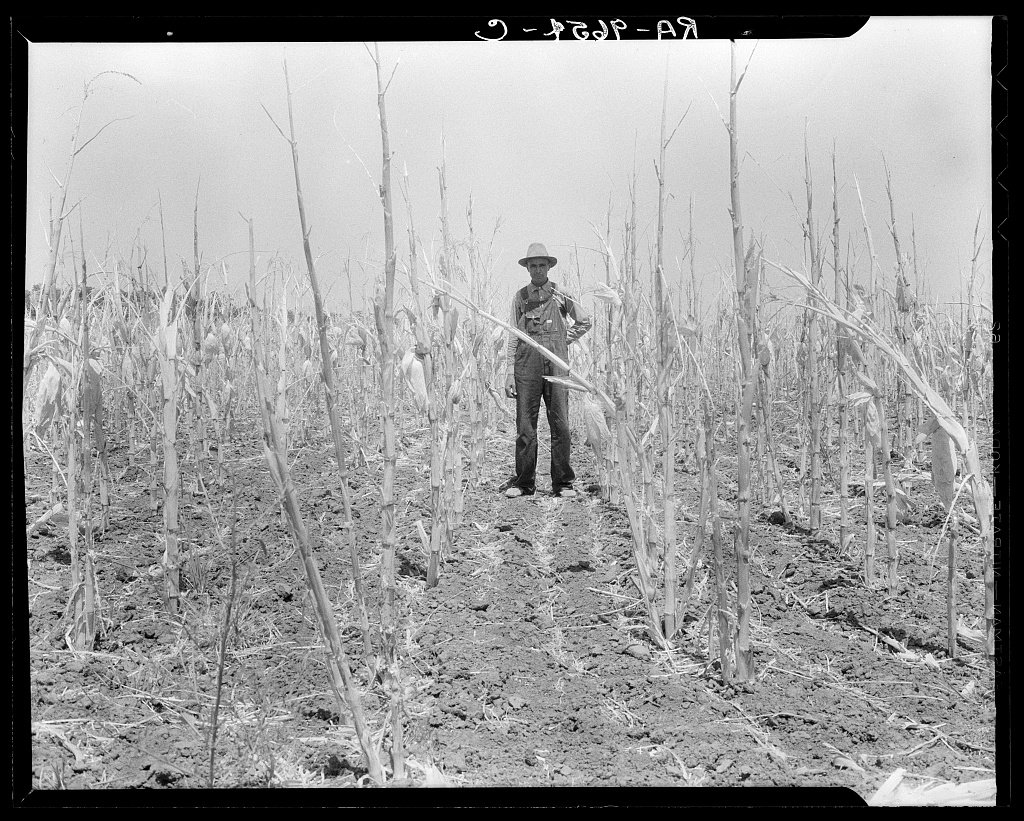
(541,135)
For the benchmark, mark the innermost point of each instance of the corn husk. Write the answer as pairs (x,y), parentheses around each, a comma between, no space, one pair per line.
(412,369)
(48,399)
(451,323)
(211,347)
(597,428)
(167,332)
(872,426)
(981,492)
(855,400)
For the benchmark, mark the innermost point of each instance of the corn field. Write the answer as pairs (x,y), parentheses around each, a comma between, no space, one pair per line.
(266,543)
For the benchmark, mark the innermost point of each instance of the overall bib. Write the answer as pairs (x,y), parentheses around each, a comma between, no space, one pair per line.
(545,324)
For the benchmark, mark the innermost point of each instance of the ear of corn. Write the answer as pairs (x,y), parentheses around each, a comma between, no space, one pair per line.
(48,399)
(412,368)
(872,425)
(597,429)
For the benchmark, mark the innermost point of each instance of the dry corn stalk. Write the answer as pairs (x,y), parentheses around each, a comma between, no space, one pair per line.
(84,601)
(876,443)
(725,644)
(482,366)
(95,433)
(327,375)
(167,357)
(944,417)
(890,503)
(384,316)
(275,452)
(418,368)
(193,362)
(904,305)
(765,408)
(47,305)
(342,683)
(746,280)
(704,455)
(845,536)
(666,350)
(813,395)
(610,491)
(944,481)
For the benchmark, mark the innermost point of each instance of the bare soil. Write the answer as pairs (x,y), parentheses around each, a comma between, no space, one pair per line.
(527,666)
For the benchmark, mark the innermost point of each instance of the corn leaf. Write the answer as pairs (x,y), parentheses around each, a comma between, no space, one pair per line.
(559,380)
(606,294)
(896,792)
(969,633)
(868,383)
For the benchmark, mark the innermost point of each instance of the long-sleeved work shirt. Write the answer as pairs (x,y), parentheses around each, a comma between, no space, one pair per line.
(568,307)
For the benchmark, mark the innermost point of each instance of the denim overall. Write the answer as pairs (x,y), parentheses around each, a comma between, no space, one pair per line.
(545,323)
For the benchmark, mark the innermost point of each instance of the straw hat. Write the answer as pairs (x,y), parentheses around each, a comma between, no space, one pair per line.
(536,250)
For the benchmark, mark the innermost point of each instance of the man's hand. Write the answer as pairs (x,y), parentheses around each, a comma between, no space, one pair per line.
(510,386)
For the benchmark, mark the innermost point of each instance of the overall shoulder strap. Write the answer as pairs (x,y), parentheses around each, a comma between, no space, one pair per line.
(524,294)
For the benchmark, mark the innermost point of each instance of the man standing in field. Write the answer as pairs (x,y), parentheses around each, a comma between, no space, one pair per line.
(540,309)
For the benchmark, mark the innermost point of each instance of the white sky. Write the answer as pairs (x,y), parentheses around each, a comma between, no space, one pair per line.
(540,134)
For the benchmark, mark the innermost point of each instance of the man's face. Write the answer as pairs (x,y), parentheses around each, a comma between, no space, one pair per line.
(538,268)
